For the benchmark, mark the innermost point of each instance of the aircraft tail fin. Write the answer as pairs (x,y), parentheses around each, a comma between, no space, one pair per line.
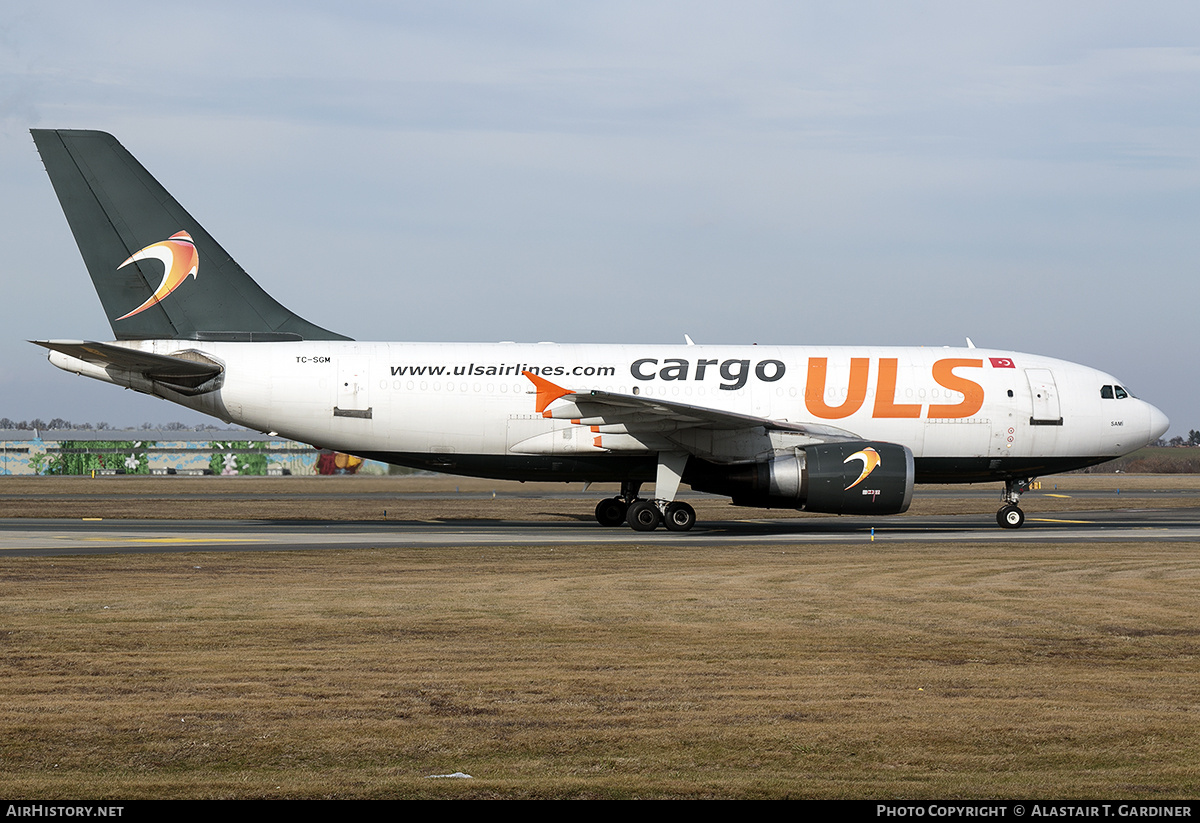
(159,274)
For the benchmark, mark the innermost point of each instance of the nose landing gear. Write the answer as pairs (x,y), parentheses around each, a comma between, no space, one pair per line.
(1010,515)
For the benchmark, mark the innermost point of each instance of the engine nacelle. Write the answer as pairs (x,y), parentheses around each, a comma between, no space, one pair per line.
(855,477)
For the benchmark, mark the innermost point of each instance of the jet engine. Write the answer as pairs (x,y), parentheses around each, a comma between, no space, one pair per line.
(853,477)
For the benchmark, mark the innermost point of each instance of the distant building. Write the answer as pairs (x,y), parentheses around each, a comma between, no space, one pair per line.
(153,451)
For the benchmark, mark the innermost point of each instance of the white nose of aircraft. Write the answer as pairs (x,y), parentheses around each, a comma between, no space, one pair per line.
(1158,423)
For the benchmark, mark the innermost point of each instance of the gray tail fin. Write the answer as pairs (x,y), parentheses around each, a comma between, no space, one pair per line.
(159,274)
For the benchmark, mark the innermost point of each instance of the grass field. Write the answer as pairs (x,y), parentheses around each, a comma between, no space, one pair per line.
(1155,459)
(649,670)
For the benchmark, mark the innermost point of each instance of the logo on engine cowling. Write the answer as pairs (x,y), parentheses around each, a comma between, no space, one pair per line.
(870,461)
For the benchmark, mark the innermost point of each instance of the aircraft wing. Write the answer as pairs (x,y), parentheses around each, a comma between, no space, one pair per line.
(183,371)
(696,428)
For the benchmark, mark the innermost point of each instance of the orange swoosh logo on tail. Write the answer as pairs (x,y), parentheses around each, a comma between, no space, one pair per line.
(179,257)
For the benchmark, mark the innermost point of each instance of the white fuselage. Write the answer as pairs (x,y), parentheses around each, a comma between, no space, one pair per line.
(473,399)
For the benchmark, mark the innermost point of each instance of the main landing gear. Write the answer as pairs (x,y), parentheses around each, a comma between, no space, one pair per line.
(1010,515)
(611,512)
(646,515)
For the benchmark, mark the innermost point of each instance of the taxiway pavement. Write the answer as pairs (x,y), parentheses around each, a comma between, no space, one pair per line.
(23,537)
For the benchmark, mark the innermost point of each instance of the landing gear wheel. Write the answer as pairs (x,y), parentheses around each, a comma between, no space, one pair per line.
(680,517)
(643,516)
(610,512)
(1010,517)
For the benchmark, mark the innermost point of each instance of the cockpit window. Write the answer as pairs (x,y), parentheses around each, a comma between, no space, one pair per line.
(1121,393)
(1114,393)
(1106,392)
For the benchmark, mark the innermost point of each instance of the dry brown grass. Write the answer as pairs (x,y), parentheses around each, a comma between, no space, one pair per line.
(868,671)
(881,671)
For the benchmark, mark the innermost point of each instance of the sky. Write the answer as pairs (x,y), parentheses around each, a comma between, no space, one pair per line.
(1023,174)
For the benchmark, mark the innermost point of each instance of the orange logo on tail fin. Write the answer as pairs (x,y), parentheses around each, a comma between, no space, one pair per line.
(178,255)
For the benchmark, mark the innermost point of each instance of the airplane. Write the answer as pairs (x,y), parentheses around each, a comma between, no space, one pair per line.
(842,430)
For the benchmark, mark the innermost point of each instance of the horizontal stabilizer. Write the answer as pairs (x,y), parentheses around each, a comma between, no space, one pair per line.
(185,372)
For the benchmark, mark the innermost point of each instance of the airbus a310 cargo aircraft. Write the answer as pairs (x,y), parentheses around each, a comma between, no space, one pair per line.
(825,429)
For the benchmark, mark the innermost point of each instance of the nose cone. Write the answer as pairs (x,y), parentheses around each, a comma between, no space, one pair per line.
(1158,423)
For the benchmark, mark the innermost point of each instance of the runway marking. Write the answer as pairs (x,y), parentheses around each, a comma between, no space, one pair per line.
(196,539)
(1058,495)
(1057,520)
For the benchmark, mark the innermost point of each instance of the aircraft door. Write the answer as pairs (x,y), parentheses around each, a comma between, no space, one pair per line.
(1044,394)
(353,397)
